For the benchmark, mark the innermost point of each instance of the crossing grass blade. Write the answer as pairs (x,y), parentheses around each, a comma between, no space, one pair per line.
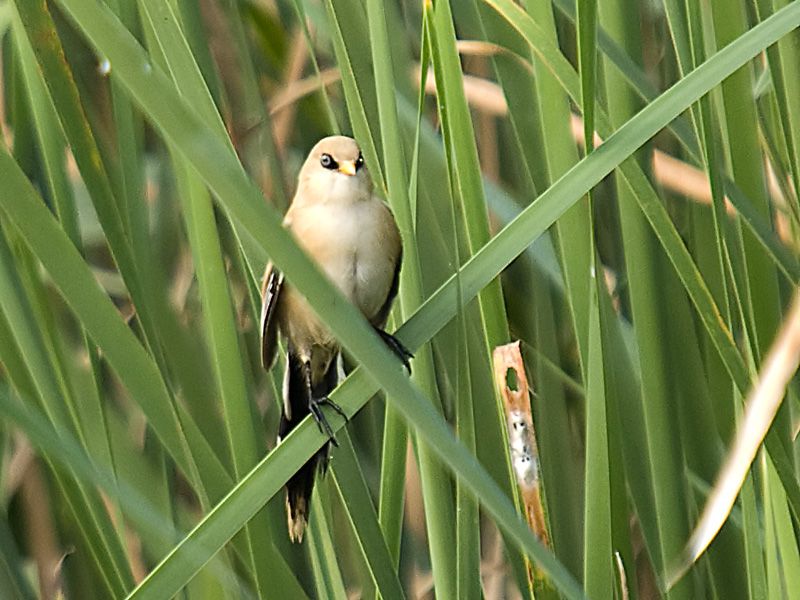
(101,320)
(138,263)
(662,114)
(222,337)
(364,518)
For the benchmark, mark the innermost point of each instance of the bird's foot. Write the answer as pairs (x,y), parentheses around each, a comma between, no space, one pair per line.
(315,406)
(397,347)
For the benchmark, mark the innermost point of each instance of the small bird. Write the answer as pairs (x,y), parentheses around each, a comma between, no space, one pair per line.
(352,236)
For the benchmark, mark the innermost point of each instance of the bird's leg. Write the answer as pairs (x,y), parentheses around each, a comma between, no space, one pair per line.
(328,402)
(397,347)
(314,405)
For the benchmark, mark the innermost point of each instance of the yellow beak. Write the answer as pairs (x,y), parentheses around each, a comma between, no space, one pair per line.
(348,167)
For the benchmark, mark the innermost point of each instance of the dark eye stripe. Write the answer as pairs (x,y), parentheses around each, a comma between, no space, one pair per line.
(327,162)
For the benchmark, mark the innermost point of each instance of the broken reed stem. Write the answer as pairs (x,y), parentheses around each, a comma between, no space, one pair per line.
(512,383)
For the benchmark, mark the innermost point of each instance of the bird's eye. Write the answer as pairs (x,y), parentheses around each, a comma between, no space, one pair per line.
(359,162)
(327,162)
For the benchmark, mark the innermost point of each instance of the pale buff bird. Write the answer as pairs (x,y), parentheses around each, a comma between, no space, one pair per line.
(353,237)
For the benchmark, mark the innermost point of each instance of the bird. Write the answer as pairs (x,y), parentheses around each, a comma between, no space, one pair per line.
(352,235)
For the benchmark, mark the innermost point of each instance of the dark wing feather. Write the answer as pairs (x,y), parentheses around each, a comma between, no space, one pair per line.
(383,313)
(270,290)
(296,402)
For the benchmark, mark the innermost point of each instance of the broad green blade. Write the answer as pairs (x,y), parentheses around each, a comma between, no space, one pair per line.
(241,201)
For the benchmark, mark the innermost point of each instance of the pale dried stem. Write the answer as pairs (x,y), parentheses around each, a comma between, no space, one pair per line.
(284,121)
(669,172)
(623,580)
(486,130)
(40,530)
(761,406)
(414,505)
(302,88)
(17,467)
(132,540)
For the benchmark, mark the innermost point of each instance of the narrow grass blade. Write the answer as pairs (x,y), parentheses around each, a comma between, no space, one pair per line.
(587,65)
(66,455)
(12,578)
(439,507)
(603,158)
(597,567)
(325,559)
(223,342)
(364,518)
(91,518)
(96,312)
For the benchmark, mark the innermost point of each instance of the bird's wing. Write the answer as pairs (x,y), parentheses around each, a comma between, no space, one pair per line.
(270,290)
(383,313)
(392,241)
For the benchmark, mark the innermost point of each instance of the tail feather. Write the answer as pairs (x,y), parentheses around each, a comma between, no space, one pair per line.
(296,407)
(298,498)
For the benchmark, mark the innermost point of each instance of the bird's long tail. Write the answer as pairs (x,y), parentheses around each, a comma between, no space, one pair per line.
(301,485)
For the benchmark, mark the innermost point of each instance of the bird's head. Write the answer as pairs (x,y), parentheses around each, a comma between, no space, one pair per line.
(335,168)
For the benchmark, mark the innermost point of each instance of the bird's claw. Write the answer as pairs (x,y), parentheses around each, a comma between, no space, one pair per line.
(315,407)
(396,346)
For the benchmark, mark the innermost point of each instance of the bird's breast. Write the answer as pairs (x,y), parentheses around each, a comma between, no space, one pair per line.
(357,247)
